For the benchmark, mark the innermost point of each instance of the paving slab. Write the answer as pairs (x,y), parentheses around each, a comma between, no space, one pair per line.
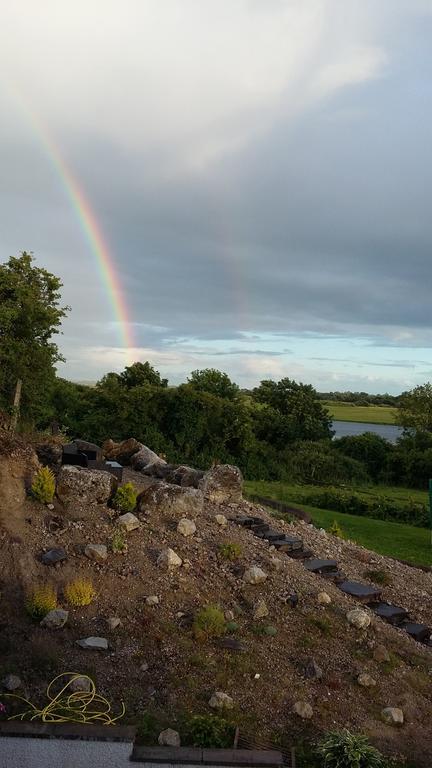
(287,544)
(315,565)
(393,614)
(366,593)
(420,632)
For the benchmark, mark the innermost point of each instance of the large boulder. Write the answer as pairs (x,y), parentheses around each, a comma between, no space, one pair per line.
(158,470)
(221,483)
(187,477)
(50,454)
(171,500)
(89,486)
(145,456)
(121,452)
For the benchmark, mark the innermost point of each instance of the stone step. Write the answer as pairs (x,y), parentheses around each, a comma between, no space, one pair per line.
(392,614)
(419,632)
(247,521)
(270,534)
(287,544)
(259,529)
(300,554)
(365,593)
(316,565)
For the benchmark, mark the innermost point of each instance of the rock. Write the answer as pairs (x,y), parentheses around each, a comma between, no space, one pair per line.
(254,575)
(324,598)
(185,476)
(128,521)
(221,483)
(229,615)
(12,682)
(55,619)
(97,552)
(232,644)
(84,445)
(171,500)
(80,684)
(87,486)
(121,452)
(54,556)
(186,527)
(221,520)
(270,631)
(260,610)
(157,470)
(381,654)
(312,671)
(303,710)
(113,622)
(221,700)
(358,618)
(169,559)
(143,457)
(152,600)
(366,681)
(392,716)
(50,454)
(276,563)
(169,738)
(93,643)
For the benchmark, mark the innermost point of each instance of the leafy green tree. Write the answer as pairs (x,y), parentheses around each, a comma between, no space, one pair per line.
(415,408)
(214,382)
(369,448)
(305,417)
(138,374)
(30,315)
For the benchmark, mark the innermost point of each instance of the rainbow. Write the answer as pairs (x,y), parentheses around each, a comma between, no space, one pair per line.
(89,225)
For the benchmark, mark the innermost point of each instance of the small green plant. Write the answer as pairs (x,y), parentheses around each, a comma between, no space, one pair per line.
(79,592)
(336,530)
(125,498)
(119,542)
(41,600)
(148,729)
(43,485)
(208,731)
(323,624)
(378,577)
(209,623)
(342,749)
(230,551)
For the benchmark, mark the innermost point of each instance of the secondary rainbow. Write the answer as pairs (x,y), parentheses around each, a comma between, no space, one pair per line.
(89,226)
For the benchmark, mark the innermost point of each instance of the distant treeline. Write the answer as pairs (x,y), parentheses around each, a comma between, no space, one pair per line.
(361,398)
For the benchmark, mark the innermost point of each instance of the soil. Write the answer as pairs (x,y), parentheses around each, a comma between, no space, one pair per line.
(154,662)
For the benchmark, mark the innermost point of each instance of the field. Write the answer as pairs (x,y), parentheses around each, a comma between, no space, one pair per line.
(373,414)
(392,539)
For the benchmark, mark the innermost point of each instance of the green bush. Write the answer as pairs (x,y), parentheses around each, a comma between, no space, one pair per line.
(342,749)
(43,486)
(125,498)
(208,731)
(230,551)
(336,530)
(119,542)
(148,729)
(41,600)
(209,623)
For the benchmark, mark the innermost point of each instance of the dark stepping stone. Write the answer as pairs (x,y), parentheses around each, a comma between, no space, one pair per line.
(336,576)
(270,534)
(419,632)
(321,566)
(311,670)
(232,644)
(393,614)
(259,529)
(54,556)
(287,544)
(366,593)
(246,521)
(301,554)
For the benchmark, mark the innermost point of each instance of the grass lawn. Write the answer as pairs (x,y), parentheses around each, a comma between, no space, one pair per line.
(374,414)
(393,539)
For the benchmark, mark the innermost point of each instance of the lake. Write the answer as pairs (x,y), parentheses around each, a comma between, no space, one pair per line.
(343,428)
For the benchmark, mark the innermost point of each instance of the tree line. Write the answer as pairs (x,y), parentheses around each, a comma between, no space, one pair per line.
(276,431)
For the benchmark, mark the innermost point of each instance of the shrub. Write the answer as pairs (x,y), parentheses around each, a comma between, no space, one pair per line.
(41,600)
(148,729)
(230,551)
(342,748)
(119,542)
(125,498)
(378,577)
(43,486)
(336,530)
(79,592)
(208,731)
(209,622)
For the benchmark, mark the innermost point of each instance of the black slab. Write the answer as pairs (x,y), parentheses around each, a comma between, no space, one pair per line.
(270,534)
(419,632)
(366,593)
(320,566)
(301,554)
(259,529)
(288,544)
(392,614)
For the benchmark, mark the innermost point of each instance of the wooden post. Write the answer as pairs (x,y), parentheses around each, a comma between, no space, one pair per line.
(16,405)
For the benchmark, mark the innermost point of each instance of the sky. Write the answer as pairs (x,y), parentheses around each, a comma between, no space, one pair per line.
(259,169)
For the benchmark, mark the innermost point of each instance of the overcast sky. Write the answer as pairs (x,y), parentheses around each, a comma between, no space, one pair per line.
(261,170)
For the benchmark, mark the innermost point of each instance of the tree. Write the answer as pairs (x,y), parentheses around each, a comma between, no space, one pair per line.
(415,409)
(30,315)
(304,416)
(369,448)
(214,382)
(138,374)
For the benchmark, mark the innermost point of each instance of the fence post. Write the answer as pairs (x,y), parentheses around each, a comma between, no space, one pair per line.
(16,405)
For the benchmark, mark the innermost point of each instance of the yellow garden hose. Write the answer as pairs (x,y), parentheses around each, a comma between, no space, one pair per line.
(76,707)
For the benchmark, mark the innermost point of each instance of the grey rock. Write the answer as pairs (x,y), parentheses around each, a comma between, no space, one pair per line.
(392,716)
(97,552)
(312,670)
(54,556)
(113,622)
(122,452)
(152,600)
(381,654)
(171,500)
(358,618)
(254,575)
(324,598)
(222,483)
(220,700)
(86,486)
(55,619)
(169,738)
(303,710)
(221,520)
(80,684)
(366,681)
(128,521)
(93,643)
(260,610)
(169,559)
(186,527)
(12,682)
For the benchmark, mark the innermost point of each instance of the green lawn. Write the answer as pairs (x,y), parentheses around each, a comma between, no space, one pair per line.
(374,414)
(393,539)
